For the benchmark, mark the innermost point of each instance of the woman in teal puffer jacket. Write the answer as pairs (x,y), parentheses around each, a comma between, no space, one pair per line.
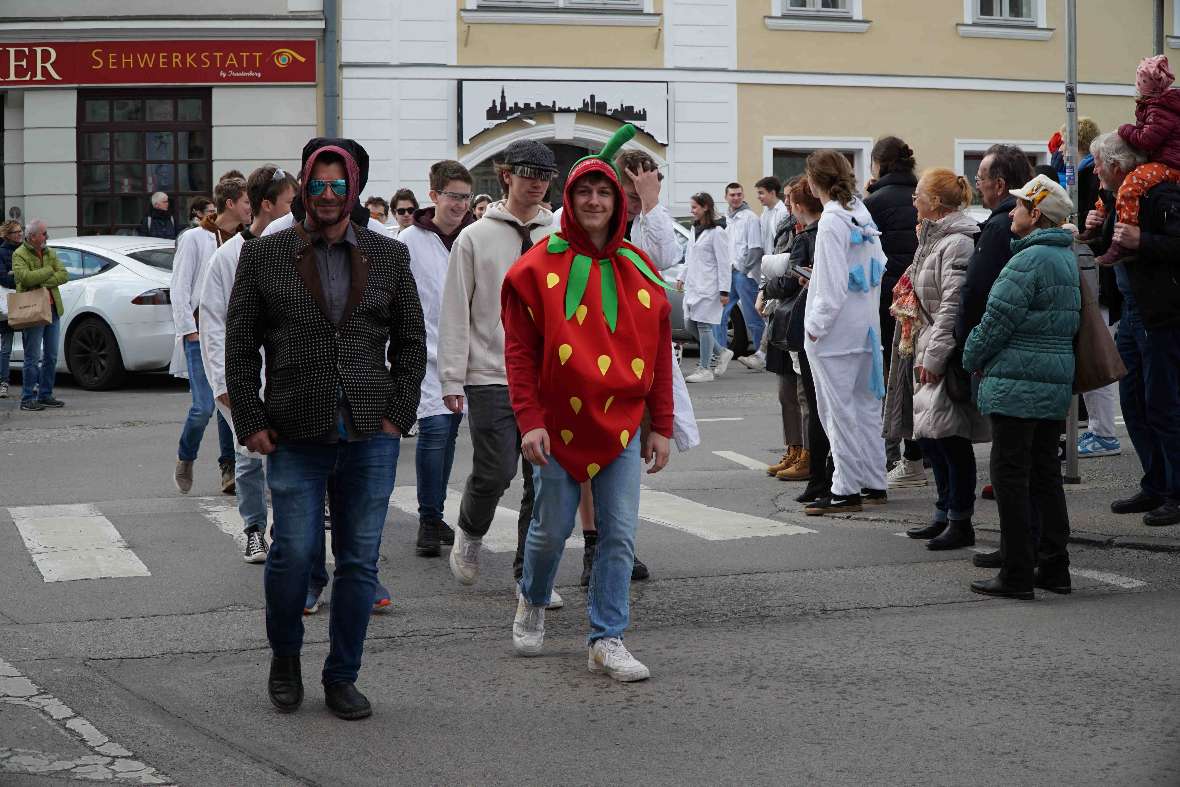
(1023,347)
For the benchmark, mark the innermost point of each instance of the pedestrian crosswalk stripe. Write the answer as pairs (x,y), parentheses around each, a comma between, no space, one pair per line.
(744,461)
(229,521)
(716,420)
(1118,580)
(71,542)
(711,524)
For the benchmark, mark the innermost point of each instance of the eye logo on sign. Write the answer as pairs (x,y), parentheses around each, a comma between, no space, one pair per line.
(284,57)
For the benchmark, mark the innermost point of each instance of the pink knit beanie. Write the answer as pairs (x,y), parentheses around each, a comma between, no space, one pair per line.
(1153,75)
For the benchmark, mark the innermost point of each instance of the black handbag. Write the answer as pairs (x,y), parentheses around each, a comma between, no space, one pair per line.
(957,379)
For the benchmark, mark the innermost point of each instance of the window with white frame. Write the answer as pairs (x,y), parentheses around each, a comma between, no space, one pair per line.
(969,154)
(561,5)
(786,157)
(1018,12)
(824,16)
(1019,19)
(825,7)
(628,13)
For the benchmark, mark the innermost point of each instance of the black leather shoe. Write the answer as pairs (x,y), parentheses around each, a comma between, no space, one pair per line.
(996,587)
(836,504)
(429,540)
(285,684)
(346,702)
(874,497)
(810,495)
(446,534)
(1139,504)
(926,531)
(1054,579)
(958,534)
(1167,514)
(987,560)
(639,571)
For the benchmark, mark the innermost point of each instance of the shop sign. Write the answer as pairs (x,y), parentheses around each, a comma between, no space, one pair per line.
(485,103)
(210,62)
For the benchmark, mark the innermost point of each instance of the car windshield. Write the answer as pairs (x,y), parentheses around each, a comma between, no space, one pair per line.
(157,258)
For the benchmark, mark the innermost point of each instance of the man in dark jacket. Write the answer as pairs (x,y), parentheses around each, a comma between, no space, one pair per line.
(1004,167)
(159,223)
(330,302)
(1149,332)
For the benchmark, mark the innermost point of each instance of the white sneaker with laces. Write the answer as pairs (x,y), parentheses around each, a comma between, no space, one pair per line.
(3,390)
(255,547)
(722,362)
(753,362)
(907,473)
(700,376)
(528,628)
(609,655)
(555,600)
(465,557)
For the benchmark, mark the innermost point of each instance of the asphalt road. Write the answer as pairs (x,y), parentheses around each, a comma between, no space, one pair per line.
(783,649)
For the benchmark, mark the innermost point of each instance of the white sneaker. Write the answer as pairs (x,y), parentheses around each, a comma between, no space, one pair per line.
(700,376)
(465,557)
(3,390)
(555,600)
(753,362)
(722,362)
(907,473)
(528,628)
(609,655)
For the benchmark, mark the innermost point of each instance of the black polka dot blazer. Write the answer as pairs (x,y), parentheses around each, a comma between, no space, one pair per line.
(278,304)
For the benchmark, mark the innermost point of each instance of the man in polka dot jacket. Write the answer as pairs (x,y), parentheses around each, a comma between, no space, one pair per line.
(588,349)
(330,302)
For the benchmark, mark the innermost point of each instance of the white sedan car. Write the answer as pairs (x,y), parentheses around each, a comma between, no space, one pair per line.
(118,317)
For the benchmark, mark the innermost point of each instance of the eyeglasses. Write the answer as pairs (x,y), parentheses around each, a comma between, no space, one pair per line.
(533,173)
(317,187)
(403,211)
(457,196)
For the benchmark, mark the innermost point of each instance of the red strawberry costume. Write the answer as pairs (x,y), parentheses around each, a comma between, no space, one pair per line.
(588,342)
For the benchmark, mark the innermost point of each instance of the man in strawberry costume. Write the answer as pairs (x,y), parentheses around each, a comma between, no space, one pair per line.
(588,350)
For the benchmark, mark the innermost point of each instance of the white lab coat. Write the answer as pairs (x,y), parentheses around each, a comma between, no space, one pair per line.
(745,233)
(193,250)
(428,263)
(846,358)
(706,274)
(768,222)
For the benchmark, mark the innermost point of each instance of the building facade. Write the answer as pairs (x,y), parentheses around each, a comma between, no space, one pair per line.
(724,89)
(106,102)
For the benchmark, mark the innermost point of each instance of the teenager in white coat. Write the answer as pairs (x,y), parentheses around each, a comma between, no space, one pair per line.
(843,328)
(705,283)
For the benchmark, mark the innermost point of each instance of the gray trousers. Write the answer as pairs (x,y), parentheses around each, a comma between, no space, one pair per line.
(495,441)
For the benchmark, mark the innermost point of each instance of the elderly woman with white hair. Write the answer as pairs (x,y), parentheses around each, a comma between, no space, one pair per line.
(1149,331)
(159,223)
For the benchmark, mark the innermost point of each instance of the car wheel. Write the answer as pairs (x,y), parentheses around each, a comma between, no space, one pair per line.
(92,355)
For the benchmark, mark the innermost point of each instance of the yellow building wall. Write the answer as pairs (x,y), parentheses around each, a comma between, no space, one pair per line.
(929,120)
(560,46)
(919,37)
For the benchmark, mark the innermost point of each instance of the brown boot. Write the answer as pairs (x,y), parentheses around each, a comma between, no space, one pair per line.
(800,471)
(789,458)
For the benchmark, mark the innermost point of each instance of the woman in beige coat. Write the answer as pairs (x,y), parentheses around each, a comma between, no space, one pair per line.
(945,428)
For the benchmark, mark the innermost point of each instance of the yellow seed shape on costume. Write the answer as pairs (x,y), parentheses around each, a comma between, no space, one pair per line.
(576,404)
(609,402)
(645,298)
(624,437)
(566,436)
(603,364)
(592,469)
(564,352)
(532,316)
(551,280)
(581,313)
(637,367)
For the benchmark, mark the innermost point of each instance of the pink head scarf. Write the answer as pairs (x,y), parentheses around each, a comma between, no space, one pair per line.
(1153,76)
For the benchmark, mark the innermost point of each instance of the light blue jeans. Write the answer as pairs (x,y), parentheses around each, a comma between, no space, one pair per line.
(710,349)
(616,510)
(250,478)
(743,292)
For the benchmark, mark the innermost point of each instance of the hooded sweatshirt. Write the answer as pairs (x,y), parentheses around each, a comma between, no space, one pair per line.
(588,339)
(429,253)
(471,337)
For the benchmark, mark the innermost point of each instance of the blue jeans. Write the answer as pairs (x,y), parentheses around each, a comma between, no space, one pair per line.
(6,335)
(743,291)
(250,478)
(710,350)
(1150,398)
(200,412)
(319,564)
(40,367)
(298,473)
(953,461)
(433,457)
(616,510)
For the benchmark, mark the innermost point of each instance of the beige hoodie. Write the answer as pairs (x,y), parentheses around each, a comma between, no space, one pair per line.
(471,336)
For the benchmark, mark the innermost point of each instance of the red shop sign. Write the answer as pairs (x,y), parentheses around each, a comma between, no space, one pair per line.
(45,64)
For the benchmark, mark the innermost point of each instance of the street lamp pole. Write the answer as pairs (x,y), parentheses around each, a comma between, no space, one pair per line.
(1159,26)
(1072,475)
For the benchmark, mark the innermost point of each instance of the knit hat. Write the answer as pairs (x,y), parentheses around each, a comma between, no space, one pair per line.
(1047,196)
(1153,75)
(530,155)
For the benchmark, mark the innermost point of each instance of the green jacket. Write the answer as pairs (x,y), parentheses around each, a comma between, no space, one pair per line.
(1024,344)
(31,272)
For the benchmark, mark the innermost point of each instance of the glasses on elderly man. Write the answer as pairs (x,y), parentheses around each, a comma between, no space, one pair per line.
(317,187)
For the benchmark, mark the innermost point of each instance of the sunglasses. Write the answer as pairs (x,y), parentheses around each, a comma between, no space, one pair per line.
(317,187)
(533,173)
(404,211)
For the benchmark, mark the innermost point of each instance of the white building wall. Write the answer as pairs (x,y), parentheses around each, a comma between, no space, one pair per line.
(703,151)
(50,152)
(14,151)
(253,126)
(701,33)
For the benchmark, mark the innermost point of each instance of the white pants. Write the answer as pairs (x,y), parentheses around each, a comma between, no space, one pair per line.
(851,417)
(1103,403)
